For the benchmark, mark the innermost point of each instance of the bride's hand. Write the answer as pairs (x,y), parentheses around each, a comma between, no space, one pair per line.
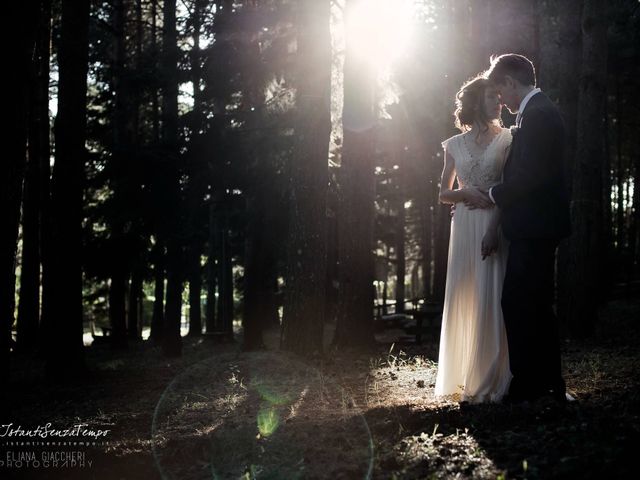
(476,198)
(489,243)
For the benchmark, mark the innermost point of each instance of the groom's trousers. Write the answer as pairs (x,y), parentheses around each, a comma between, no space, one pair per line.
(531,324)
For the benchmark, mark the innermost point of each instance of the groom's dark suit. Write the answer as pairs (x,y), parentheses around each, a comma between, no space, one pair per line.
(534,203)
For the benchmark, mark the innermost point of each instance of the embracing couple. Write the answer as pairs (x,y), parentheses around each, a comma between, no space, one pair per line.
(499,338)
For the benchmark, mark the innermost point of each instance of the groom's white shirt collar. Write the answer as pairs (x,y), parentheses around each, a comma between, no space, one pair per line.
(523,105)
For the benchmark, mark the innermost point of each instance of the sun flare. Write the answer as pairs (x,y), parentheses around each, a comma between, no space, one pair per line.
(379,30)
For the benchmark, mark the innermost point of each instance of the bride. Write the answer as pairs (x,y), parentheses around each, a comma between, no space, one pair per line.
(473,362)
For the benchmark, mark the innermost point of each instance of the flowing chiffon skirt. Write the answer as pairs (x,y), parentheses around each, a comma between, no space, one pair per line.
(473,363)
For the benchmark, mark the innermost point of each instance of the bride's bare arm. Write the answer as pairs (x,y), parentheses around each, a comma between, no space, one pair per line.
(447,194)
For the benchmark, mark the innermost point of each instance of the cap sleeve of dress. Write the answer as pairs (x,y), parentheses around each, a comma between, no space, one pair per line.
(450,145)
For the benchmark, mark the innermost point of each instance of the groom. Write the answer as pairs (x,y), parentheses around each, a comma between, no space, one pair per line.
(534,204)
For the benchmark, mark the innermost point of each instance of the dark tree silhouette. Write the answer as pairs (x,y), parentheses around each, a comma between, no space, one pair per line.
(303,316)
(157,315)
(356,215)
(64,345)
(172,343)
(586,205)
(558,70)
(18,55)
(197,181)
(212,274)
(36,185)
(122,144)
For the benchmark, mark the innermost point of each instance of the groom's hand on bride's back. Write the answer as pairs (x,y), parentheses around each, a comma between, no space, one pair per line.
(474,198)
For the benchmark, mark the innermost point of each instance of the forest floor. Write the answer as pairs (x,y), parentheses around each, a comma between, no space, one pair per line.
(218,412)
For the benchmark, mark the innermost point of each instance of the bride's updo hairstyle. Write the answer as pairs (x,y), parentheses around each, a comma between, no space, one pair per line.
(470,104)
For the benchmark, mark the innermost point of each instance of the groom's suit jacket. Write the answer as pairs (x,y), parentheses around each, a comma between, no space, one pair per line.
(533,197)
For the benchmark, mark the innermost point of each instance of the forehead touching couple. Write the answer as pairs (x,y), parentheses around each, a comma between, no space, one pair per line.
(499,340)
(509,79)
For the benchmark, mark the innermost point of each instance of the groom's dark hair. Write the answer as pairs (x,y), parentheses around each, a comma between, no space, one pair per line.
(516,66)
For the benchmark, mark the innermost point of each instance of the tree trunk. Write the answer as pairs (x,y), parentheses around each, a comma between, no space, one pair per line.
(606,259)
(121,146)
(634,231)
(427,188)
(35,183)
(172,342)
(134,319)
(355,327)
(135,303)
(64,340)
(306,267)
(171,337)
(210,309)
(260,309)
(197,184)
(157,316)
(331,296)
(155,108)
(426,227)
(211,273)
(225,279)
(401,265)
(117,307)
(139,59)
(559,66)
(18,56)
(481,33)
(195,289)
(586,207)
(158,253)
(442,219)
(196,69)
(356,215)
(620,176)
(253,319)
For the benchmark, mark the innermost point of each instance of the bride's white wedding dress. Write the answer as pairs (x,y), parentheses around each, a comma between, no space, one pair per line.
(473,363)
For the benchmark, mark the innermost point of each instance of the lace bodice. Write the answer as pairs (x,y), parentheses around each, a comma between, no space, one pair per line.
(483,170)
